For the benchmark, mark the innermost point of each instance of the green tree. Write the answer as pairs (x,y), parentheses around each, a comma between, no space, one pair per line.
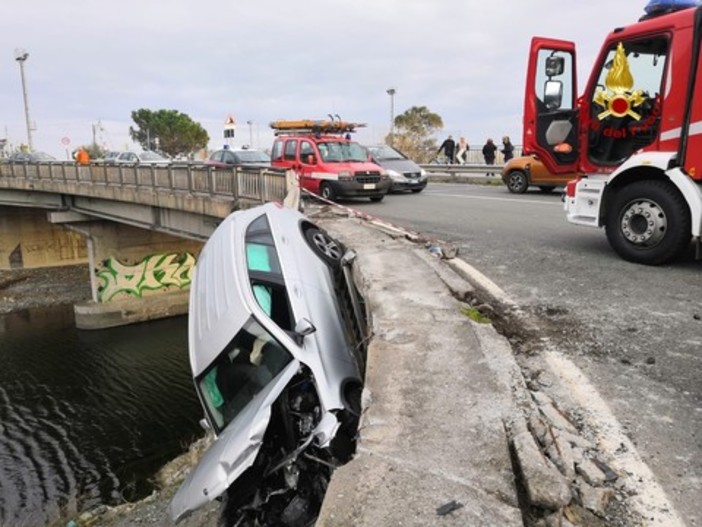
(169,131)
(414,133)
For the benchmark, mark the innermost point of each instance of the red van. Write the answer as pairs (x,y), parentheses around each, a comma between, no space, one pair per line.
(329,163)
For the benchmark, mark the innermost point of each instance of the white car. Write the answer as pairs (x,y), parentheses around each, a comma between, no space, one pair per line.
(141,158)
(277,348)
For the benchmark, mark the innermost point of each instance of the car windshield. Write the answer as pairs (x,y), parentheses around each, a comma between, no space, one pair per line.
(253,156)
(340,151)
(385,153)
(152,156)
(111,155)
(245,366)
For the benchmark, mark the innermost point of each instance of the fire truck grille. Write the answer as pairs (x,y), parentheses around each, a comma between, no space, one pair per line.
(367,177)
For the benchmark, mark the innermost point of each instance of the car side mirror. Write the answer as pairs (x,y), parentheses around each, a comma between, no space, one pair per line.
(205,424)
(303,327)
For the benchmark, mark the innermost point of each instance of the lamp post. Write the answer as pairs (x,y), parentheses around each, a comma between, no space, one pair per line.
(391,92)
(20,56)
(250,123)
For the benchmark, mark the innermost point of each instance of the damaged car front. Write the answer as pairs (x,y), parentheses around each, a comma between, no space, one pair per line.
(276,341)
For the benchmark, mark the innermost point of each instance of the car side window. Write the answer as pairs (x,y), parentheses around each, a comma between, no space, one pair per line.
(290,148)
(229,158)
(265,274)
(277,152)
(306,149)
(217,156)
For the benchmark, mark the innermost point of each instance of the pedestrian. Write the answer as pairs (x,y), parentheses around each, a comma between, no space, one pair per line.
(82,156)
(448,146)
(507,148)
(489,150)
(462,153)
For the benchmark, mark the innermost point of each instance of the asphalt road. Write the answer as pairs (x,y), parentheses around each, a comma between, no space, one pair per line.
(635,331)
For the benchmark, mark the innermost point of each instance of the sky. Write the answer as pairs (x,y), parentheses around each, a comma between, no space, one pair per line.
(92,63)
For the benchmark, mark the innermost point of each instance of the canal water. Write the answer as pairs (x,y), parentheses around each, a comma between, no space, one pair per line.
(87,417)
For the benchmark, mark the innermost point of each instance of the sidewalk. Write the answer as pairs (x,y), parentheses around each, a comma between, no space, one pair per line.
(434,427)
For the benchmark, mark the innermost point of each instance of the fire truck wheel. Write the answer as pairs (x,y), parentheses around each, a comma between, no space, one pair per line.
(649,222)
(326,247)
(517,182)
(326,191)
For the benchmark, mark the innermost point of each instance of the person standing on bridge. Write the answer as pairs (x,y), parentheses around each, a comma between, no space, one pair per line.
(448,146)
(489,150)
(507,148)
(82,156)
(462,153)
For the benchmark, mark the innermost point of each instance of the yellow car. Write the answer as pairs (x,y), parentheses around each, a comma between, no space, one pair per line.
(522,172)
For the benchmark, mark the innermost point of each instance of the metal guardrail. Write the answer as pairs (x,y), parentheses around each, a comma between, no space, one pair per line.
(258,184)
(457,170)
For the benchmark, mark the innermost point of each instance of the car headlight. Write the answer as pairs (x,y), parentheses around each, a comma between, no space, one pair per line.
(345,175)
(422,173)
(395,175)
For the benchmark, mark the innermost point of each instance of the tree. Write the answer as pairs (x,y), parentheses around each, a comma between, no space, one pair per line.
(169,131)
(414,133)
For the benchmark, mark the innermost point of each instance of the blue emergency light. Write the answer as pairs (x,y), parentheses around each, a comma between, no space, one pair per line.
(655,7)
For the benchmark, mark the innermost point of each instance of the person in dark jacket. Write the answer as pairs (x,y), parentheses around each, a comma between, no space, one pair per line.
(489,150)
(507,148)
(448,146)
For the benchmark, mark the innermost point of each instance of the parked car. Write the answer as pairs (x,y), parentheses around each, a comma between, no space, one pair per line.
(520,173)
(108,158)
(141,158)
(276,344)
(227,158)
(404,173)
(31,157)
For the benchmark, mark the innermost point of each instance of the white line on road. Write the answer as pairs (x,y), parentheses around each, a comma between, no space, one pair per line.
(487,198)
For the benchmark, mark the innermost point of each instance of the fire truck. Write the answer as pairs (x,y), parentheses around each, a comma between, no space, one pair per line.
(328,163)
(635,133)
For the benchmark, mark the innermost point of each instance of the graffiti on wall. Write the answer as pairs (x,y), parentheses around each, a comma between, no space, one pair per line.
(158,271)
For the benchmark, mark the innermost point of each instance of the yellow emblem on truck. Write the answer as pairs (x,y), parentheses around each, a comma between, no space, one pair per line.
(618,100)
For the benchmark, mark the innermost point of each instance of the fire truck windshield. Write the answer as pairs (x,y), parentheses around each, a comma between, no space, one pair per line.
(341,151)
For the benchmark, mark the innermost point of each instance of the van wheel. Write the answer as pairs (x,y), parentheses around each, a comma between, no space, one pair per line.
(377,198)
(517,182)
(326,191)
(326,247)
(649,222)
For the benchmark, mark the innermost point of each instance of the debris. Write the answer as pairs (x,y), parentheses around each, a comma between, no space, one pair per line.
(449,507)
(436,251)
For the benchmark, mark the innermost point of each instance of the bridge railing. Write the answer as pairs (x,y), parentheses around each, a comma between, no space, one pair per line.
(254,184)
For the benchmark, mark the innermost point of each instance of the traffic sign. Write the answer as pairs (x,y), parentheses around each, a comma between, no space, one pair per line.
(65,141)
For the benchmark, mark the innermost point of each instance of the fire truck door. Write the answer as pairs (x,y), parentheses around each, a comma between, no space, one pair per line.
(550,105)
(691,143)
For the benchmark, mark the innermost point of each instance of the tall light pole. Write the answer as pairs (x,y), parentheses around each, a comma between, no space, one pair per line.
(250,123)
(391,92)
(20,56)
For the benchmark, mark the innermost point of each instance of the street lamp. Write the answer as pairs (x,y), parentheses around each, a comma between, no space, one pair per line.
(391,92)
(250,123)
(20,56)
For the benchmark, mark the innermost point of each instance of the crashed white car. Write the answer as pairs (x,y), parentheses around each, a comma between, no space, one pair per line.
(277,351)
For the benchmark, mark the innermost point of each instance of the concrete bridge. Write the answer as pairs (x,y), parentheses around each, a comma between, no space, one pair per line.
(138,228)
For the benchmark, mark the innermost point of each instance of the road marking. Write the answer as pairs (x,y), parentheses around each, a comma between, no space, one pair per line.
(486,198)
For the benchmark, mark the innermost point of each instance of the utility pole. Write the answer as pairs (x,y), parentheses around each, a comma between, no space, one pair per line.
(250,123)
(21,56)
(391,92)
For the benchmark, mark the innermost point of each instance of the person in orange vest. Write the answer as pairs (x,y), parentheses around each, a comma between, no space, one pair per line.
(82,156)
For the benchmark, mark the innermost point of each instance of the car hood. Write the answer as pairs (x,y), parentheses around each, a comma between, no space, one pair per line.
(400,165)
(232,452)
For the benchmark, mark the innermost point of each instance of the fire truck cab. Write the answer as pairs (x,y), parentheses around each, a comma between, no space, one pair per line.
(635,132)
(328,163)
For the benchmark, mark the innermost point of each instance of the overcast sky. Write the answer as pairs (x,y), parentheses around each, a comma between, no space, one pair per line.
(95,62)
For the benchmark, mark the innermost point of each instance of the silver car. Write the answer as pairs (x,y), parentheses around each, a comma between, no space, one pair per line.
(404,173)
(277,350)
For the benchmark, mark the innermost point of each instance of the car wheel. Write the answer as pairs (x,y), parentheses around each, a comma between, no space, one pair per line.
(377,198)
(517,182)
(649,222)
(326,247)
(326,191)
(546,188)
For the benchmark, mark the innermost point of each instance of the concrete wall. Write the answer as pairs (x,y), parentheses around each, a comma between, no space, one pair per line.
(28,240)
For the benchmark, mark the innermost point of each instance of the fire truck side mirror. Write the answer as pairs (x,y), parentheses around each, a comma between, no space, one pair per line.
(554,66)
(553,94)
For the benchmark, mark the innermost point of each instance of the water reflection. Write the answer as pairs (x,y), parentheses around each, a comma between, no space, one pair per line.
(87,416)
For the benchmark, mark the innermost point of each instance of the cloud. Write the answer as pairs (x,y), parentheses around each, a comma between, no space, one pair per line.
(264,60)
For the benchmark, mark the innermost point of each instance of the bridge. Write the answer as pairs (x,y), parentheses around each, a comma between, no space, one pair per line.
(138,228)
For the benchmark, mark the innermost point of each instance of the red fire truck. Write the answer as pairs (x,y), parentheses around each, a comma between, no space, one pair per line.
(635,132)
